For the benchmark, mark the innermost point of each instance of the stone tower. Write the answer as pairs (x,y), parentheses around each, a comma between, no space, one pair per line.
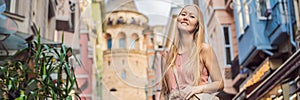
(124,75)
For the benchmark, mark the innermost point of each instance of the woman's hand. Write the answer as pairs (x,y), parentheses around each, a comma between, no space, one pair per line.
(189,91)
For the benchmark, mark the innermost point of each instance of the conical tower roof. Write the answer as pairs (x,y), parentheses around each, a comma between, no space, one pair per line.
(116,5)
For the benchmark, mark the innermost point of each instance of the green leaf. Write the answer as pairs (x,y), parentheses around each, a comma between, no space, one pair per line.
(49,61)
(31,81)
(56,52)
(22,96)
(47,48)
(3,69)
(77,95)
(20,65)
(69,97)
(64,50)
(63,36)
(9,84)
(44,66)
(44,77)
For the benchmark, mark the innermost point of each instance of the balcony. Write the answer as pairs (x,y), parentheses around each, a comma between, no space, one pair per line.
(262,36)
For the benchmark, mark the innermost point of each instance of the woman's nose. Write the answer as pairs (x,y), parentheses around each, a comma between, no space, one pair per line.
(185,18)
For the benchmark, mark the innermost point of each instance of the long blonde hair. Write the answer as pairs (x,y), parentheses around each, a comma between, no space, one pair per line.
(195,58)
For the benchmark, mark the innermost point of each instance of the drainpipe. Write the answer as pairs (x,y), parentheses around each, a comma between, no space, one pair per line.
(290,23)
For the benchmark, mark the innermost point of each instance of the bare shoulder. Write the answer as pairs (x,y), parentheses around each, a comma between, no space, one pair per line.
(206,47)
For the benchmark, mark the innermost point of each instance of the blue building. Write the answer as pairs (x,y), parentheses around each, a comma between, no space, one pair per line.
(268,48)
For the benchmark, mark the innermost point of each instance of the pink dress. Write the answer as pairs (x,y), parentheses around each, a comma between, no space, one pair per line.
(185,78)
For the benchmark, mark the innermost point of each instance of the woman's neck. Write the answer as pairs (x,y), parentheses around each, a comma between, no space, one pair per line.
(186,42)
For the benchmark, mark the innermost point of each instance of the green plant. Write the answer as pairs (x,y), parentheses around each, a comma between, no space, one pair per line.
(39,72)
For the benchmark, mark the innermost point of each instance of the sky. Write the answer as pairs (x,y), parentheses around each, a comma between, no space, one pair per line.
(157,11)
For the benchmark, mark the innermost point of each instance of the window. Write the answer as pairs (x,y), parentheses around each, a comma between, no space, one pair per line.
(123,74)
(122,43)
(132,44)
(109,21)
(132,21)
(122,40)
(11,5)
(227,45)
(240,17)
(246,14)
(120,20)
(134,41)
(72,29)
(109,41)
(263,9)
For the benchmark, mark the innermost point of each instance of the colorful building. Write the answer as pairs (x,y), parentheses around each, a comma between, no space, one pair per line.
(52,18)
(220,34)
(21,20)
(267,34)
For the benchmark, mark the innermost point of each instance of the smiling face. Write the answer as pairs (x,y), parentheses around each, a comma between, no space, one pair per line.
(187,19)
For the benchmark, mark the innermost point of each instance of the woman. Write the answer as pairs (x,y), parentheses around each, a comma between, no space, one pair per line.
(190,61)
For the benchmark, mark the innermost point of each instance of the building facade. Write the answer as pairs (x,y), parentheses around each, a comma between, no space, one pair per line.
(21,20)
(80,23)
(125,60)
(155,37)
(71,19)
(220,34)
(98,19)
(267,34)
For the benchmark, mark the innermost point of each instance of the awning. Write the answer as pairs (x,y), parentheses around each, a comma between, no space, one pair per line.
(14,42)
(7,25)
(280,74)
(10,42)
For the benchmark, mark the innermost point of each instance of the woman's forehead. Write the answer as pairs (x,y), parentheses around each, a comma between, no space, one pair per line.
(190,9)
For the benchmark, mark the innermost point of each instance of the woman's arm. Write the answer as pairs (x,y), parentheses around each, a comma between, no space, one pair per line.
(211,63)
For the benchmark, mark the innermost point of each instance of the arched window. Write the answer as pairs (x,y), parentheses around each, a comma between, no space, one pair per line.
(122,40)
(134,41)
(109,21)
(132,21)
(123,74)
(120,20)
(109,41)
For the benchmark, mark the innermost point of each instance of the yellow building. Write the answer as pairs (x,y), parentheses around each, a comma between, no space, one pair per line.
(125,62)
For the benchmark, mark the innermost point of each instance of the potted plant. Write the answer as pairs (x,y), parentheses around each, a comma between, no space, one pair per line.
(39,72)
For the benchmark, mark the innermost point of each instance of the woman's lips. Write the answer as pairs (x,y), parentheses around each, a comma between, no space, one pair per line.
(184,23)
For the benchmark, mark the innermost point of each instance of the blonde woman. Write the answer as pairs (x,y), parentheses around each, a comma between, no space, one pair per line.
(190,61)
